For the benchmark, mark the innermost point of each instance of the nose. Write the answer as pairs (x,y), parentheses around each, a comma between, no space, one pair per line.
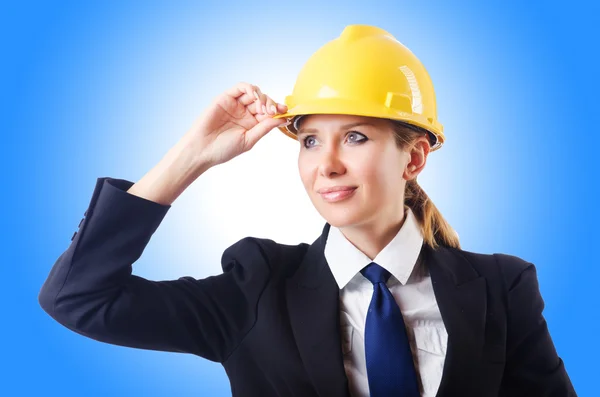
(330,162)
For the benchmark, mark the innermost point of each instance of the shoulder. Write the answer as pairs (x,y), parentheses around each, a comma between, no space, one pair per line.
(509,267)
(262,254)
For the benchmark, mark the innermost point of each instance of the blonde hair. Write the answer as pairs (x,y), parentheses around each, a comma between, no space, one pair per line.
(436,230)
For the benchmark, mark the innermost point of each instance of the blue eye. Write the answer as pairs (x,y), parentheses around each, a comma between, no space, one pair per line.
(355,133)
(350,134)
(306,139)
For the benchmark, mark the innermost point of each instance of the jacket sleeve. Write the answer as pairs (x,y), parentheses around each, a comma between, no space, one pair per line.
(92,291)
(533,367)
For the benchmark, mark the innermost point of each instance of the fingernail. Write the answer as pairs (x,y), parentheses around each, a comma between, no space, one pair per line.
(273,109)
(264,109)
(255,94)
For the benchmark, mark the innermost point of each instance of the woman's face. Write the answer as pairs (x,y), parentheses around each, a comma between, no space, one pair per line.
(352,152)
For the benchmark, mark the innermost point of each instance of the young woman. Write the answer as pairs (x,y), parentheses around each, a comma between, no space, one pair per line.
(383,303)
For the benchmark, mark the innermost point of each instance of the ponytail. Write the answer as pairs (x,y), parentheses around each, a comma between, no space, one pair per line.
(436,231)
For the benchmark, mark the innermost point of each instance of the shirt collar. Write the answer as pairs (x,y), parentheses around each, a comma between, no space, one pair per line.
(398,257)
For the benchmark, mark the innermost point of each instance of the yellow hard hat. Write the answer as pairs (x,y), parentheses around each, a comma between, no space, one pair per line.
(365,72)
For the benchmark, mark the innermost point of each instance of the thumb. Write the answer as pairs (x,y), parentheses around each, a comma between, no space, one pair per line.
(261,129)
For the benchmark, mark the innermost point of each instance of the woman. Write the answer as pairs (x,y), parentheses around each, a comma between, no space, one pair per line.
(383,303)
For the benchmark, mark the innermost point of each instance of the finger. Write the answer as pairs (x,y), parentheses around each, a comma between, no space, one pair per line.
(240,89)
(262,99)
(261,103)
(246,99)
(268,105)
(255,101)
(271,106)
(282,108)
(247,94)
(258,92)
(261,129)
(256,107)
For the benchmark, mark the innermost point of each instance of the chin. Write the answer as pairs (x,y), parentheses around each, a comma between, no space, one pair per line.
(342,214)
(340,217)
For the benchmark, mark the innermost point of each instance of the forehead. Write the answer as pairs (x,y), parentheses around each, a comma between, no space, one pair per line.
(326,122)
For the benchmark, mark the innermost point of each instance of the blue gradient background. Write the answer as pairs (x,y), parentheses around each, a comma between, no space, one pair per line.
(106,90)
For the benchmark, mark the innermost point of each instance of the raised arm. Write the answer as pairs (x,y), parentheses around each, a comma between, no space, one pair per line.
(92,291)
(91,288)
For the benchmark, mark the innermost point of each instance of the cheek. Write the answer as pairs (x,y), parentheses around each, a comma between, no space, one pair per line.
(305,172)
(380,177)
(371,171)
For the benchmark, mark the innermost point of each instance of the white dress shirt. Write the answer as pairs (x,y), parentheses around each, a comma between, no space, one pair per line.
(410,284)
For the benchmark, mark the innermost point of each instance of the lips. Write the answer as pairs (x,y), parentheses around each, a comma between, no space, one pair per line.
(335,189)
(338,194)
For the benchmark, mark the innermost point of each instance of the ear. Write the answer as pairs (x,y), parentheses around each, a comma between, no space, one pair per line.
(418,153)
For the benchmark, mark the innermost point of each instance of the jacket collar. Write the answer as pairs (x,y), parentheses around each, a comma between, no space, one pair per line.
(398,257)
(313,305)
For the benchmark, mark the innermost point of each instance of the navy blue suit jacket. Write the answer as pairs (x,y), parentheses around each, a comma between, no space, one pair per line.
(272,317)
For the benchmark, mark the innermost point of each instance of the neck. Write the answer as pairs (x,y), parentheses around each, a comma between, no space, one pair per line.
(372,237)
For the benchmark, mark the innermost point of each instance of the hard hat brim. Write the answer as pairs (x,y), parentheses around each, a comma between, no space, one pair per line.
(340,106)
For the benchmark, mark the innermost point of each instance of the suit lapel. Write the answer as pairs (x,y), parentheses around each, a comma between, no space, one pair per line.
(313,305)
(461,296)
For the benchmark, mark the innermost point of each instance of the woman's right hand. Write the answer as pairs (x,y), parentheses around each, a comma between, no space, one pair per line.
(233,123)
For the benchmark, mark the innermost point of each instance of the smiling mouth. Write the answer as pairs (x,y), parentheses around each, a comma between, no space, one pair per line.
(338,195)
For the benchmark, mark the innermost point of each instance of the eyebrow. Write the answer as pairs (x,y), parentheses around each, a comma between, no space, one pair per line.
(343,127)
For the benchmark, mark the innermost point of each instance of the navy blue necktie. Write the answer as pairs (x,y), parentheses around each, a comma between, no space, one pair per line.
(390,368)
